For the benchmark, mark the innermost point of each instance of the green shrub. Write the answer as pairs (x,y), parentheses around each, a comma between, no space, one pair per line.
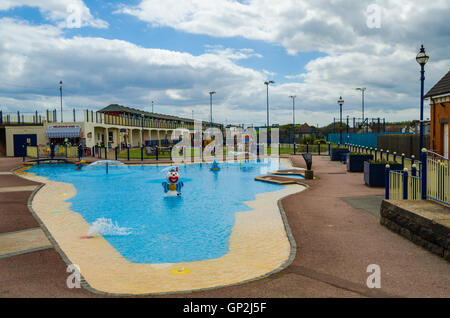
(357,154)
(322,141)
(383,162)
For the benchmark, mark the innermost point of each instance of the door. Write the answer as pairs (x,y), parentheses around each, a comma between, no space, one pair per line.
(20,140)
(446,141)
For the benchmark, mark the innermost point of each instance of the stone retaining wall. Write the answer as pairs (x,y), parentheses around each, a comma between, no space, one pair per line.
(422,231)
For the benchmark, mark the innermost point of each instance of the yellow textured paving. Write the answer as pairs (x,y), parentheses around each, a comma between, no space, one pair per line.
(258,245)
(16,242)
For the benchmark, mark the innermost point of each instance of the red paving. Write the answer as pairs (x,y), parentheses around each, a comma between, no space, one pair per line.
(335,242)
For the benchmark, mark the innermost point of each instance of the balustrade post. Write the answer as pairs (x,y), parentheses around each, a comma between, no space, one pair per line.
(423,173)
(386,181)
(414,170)
(405,184)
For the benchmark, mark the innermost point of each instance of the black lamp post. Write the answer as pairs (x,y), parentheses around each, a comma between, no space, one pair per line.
(422,58)
(340,102)
(293,120)
(362,89)
(60,91)
(210,107)
(142,129)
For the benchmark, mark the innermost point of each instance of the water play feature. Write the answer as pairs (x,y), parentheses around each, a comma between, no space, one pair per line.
(121,167)
(215,165)
(103,226)
(174,184)
(80,164)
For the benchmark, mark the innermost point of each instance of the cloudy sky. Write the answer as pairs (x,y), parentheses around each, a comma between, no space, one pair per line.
(174,52)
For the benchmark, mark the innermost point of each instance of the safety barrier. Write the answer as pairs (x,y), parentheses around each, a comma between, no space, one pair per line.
(386,155)
(429,178)
(403,185)
(45,151)
(438,178)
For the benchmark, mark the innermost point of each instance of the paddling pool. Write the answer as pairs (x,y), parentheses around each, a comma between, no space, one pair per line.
(144,225)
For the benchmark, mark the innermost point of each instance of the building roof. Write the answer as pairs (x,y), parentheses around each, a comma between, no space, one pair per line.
(440,88)
(120,108)
(305,128)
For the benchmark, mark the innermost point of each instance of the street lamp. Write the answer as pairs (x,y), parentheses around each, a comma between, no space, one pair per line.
(60,91)
(362,89)
(422,58)
(340,102)
(267,84)
(293,120)
(152,107)
(210,107)
(142,129)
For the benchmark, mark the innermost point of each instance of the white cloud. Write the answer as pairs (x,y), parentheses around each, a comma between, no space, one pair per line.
(299,25)
(66,13)
(98,71)
(383,59)
(231,53)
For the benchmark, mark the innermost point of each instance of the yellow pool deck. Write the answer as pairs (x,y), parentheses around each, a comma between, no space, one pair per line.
(259,245)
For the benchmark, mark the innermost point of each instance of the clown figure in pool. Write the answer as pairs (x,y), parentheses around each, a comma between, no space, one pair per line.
(174,184)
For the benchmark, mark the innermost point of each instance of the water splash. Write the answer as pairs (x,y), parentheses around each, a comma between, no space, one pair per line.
(107,162)
(111,166)
(105,226)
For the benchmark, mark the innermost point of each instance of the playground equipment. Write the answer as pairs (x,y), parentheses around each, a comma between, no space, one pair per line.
(174,184)
(109,163)
(80,164)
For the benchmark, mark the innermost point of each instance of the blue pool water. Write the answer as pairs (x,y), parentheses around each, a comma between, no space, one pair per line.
(159,229)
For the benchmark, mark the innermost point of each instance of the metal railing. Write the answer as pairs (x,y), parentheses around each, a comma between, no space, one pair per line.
(319,149)
(395,185)
(386,155)
(438,178)
(90,116)
(45,152)
(414,188)
(402,185)
(432,183)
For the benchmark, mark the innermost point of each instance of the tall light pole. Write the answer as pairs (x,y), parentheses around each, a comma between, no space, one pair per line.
(210,107)
(152,107)
(293,120)
(142,129)
(267,84)
(60,91)
(340,102)
(362,89)
(421,58)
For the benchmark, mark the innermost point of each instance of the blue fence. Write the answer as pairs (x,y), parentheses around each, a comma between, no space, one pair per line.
(365,140)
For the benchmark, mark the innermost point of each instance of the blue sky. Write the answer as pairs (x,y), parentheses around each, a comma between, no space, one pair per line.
(175,52)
